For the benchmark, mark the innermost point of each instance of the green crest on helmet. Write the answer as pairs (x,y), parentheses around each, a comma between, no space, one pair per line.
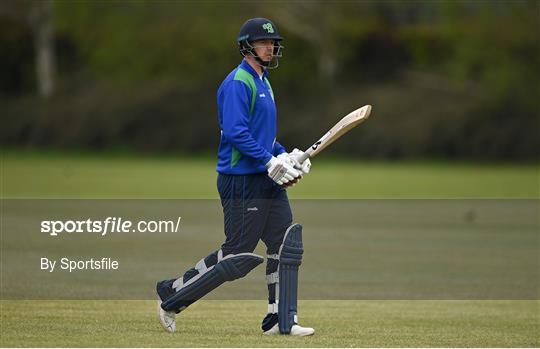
(268,27)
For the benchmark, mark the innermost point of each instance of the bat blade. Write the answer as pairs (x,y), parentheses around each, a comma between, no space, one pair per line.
(343,126)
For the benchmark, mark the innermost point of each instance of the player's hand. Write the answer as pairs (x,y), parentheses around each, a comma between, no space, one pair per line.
(281,171)
(305,167)
(292,183)
(287,158)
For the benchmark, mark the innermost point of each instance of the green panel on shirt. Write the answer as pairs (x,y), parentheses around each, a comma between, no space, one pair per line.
(246,78)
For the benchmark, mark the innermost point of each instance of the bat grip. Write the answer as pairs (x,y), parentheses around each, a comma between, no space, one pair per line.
(303,157)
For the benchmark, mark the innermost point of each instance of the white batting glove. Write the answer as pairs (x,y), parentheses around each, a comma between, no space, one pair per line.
(287,158)
(305,167)
(292,183)
(281,171)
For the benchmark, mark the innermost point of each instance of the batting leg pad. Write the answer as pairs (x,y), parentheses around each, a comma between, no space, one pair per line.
(165,289)
(231,267)
(290,258)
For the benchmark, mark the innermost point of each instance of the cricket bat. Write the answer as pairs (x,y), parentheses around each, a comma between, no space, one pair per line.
(344,125)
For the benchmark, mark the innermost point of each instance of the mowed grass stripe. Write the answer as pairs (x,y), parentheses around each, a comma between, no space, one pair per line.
(38,175)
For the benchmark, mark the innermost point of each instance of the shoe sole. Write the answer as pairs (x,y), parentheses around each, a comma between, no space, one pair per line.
(159,310)
(273,332)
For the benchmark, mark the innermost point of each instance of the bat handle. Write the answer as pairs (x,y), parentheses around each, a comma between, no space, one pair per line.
(304,156)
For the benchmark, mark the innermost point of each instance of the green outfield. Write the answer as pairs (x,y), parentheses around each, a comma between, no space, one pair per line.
(236,324)
(388,247)
(94,176)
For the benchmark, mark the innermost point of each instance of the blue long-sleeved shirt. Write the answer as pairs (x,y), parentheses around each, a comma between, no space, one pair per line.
(247,118)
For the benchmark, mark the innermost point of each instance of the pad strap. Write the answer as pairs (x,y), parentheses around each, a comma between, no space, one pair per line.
(272,278)
(273,307)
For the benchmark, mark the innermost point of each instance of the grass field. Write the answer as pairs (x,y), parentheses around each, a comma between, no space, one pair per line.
(236,323)
(381,255)
(94,176)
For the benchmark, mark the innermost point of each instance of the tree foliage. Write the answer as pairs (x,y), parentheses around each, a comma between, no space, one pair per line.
(446,78)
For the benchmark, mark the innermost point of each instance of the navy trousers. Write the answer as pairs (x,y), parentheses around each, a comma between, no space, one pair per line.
(254,208)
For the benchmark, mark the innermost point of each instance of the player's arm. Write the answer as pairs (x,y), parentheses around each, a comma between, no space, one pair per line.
(235,127)
(235,122)
(279,149)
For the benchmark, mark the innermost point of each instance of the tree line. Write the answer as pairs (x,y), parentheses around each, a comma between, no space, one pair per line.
(447,79)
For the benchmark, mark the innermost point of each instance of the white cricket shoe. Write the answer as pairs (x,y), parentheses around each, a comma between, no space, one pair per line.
(166,318)
(296,330)
(273,330)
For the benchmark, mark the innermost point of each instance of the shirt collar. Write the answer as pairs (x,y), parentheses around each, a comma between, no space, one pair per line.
(245,65)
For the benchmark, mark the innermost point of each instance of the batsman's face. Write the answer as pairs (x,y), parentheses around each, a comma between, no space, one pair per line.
(264,49)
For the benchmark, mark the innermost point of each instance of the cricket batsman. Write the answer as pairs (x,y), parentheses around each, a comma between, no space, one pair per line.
(254,171)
